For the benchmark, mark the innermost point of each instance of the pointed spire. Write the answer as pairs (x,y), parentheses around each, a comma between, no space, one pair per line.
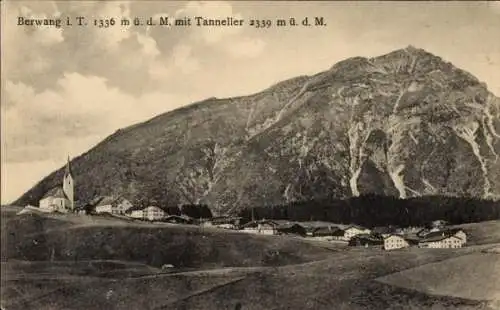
(68,168)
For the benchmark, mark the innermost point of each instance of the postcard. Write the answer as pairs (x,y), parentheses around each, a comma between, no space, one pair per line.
(250,155)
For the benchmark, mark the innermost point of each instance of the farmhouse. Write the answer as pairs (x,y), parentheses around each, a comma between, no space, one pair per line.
(441,241)
(226,222)
(291,229)
(60,199)
(366,240)
(354,230)
(113,205)
(151,213)
(261,227)
(459,233)
(328,233)
(392,242)
(176,219)
(311,226)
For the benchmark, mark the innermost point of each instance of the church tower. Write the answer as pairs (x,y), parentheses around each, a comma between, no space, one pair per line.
(68,186)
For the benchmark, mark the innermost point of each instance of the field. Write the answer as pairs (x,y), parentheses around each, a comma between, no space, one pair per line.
(61,262)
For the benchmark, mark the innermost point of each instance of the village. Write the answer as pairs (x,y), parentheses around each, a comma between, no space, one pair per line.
(437,234)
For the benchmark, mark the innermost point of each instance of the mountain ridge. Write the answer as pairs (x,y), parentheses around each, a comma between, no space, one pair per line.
(406,123)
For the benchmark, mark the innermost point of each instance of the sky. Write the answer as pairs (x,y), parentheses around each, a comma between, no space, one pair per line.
(66,89)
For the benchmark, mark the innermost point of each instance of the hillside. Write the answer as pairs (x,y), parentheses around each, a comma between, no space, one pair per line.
(33,237)
(66,262)
(406,124)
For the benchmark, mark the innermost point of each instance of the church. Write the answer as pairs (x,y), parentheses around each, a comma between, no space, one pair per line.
(60,199)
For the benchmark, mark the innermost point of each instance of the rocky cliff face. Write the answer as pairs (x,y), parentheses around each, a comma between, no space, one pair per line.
(407,123)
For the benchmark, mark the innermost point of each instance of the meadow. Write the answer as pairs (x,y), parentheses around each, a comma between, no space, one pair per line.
(70,262)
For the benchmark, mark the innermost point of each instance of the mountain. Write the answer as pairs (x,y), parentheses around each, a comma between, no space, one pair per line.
(406,123)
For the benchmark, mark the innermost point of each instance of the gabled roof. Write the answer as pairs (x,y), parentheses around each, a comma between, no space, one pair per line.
(355,226)
(56,192)
(178,218)
(317,224)
(328,231)
(441,235)
(261,222)
(393,235)
(110,200)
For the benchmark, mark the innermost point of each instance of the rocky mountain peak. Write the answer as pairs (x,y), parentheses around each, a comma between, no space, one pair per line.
(406,123)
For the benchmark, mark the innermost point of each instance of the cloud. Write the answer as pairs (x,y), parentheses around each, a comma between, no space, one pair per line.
(19,59)
(246,47)
(210,10)
(79,107)
(111,37)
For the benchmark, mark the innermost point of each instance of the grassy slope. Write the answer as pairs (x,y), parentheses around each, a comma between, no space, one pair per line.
(475,276)
(332,279)
(343,282)
(155,245)
(482,233)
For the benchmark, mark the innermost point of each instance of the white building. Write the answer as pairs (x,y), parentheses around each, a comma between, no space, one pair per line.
(450,238)
(113,205)
(354,230)
(459,234)
(443,242)
(150,213)
(60,199)
(261,227)
(392,242)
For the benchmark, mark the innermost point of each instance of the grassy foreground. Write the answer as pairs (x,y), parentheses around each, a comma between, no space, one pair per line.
(80,263)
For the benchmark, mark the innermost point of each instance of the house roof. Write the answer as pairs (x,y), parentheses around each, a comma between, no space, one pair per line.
(177,217)
(56,192)
(441,235)
(393,235)
(317,224)
(355,226)
(261,222)
(110,200)
(328,231)
(366,237)
(224,219)
(383,229)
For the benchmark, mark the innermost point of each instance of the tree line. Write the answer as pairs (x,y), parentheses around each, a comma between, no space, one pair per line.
(373,210)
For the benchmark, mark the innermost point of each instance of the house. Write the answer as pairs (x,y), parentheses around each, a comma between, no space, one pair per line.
(394,241)
(291,229)
(113,205)
(366,240)
(383,230)
(408,230)
(261,227)
(226,222)
(151,213)
(60,198)
(311,226)
(354,230)
(425,231)
(328,233)
(459,233)
(438,224)
(441,241)
(449,238)
(176,219)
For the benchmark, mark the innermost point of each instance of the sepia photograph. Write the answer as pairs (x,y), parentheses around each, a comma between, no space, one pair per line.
(250,155)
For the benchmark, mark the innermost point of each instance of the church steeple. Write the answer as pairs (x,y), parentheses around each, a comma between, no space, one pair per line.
(68,169)
(68,185)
